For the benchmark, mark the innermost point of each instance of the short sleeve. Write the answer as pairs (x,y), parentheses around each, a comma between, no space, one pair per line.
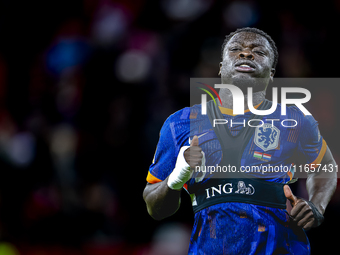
(311,144)
(165,156)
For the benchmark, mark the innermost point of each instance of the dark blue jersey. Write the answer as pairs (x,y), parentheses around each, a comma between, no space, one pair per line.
(279,142)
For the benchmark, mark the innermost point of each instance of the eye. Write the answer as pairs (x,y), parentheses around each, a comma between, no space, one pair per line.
(234,49)
(261,53)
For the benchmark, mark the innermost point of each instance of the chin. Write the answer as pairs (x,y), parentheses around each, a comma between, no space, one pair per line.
(245,80)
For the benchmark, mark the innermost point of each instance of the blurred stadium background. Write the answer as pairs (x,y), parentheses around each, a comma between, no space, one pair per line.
(85,87)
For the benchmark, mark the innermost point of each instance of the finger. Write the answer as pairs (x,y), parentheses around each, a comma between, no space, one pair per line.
(309,225)
(289,195)
(195,163)
(195,149)
(194,141)
(306,219)
(296,209)
(194,152)
(302,214)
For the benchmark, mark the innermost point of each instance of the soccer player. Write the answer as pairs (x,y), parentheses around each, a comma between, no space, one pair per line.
(242,215)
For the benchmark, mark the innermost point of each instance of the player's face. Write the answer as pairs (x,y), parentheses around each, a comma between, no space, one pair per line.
(247,56)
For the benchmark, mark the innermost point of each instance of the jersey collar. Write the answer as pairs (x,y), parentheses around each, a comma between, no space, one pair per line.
(228,111)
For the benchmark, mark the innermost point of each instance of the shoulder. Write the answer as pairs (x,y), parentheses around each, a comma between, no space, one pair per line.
(293,109)
(309,127)
(177,123)
(308,120)
(290,110)
(185,114)
(178,115)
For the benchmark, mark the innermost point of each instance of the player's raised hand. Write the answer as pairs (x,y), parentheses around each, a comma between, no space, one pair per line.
(193,155)
(188,158)
(304,213)
(290,196)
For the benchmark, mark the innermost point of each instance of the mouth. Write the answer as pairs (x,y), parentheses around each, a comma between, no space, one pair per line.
(245,67)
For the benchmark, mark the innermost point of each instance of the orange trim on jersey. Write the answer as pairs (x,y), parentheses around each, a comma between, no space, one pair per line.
(152,179)
(185,186)
(230,111)
(321,154)
(290,174)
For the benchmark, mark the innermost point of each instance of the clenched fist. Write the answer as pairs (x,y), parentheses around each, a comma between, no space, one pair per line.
(193,155)
(304,213)
(188,158)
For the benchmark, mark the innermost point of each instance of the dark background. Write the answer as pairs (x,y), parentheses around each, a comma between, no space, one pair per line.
(85,87)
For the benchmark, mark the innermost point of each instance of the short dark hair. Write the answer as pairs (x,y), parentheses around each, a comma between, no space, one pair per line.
(256,31)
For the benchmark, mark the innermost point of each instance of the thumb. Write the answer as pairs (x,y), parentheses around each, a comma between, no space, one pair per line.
(289,195)
(194,141)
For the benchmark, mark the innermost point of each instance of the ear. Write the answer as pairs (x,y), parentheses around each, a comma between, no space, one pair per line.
(219,73)
(272,72)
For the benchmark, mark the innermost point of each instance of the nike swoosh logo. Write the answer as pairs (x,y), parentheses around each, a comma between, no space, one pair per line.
(199,136)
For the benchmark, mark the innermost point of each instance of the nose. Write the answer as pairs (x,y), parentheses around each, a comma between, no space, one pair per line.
(246,54)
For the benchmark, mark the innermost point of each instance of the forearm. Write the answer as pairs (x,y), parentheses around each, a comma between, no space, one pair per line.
(161,201)
(321,186)
(320,189)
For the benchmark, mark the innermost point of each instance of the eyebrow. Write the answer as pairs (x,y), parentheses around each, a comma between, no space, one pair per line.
(253,45)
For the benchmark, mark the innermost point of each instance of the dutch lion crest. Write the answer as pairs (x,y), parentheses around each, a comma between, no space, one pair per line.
(267,137)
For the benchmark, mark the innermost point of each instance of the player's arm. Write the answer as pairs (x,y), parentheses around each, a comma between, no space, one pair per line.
(321,181)
(161,201)
(320,186)
(163,198)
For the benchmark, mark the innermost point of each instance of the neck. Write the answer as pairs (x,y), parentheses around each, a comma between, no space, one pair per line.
(227,98)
